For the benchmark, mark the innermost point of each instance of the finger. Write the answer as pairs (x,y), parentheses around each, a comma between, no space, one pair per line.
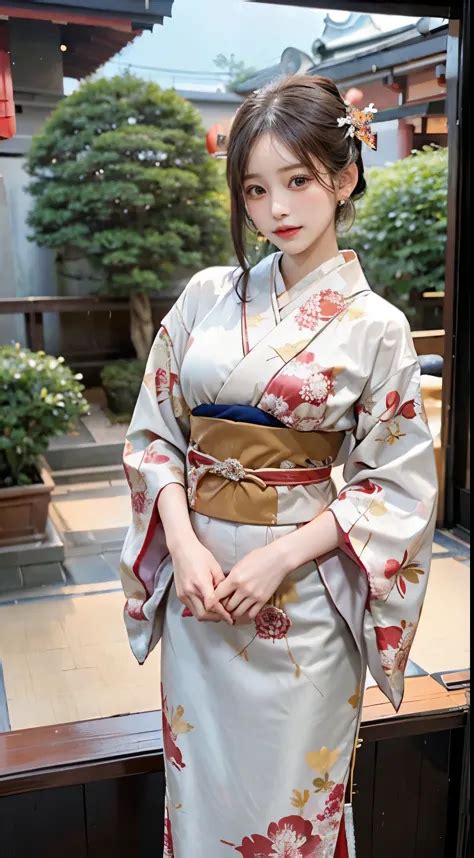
(199,613)
(217,575)
(196,606)
(256,609)
(212,604)
(236,599)
(187,604)
(224,589)
(243,608)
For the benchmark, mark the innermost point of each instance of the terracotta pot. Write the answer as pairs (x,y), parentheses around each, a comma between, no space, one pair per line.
(24,509)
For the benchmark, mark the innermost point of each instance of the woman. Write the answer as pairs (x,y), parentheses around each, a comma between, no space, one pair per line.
(271,591)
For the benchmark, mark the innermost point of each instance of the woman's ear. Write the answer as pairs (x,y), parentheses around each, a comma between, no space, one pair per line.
(347,182)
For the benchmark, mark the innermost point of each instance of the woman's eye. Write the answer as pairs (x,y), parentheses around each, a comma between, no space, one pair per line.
(300,181)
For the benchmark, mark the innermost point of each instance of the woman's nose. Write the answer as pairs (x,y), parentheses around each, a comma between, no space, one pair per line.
(279,208)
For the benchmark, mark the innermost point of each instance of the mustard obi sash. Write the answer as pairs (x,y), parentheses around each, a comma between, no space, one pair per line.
(235,468)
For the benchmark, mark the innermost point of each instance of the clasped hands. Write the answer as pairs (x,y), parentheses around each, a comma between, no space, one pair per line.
(212,596)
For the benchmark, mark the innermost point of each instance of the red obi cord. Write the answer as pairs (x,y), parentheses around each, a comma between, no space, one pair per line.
(273,476)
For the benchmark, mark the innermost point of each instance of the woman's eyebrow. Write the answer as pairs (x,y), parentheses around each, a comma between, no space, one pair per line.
(280,170)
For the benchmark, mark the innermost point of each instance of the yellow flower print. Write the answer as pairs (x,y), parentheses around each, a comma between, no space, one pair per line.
(323,784)
(355,698)
(290,350)
(393,433)
(323,759)
(300,799)
(178,725)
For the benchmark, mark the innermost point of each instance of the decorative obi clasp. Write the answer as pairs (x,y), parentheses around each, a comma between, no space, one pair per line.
(230,469)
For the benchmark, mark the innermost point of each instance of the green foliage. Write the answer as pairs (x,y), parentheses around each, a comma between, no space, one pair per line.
(400,227)
(39,398)
(121,381)
(121,173)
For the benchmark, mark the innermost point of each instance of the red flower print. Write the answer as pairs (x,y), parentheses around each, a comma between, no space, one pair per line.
(367,487)
(388,636)
(272,623)
(320,307)
(134,609)
(139,502)
(155,457)
(401,657)
(172,752)
(291,837)
(137,486)
(331,303)
(318,387)
(393,408)
(168,837)
(404,572)
(395,644)
(161,381)
(333,803)
(305,357)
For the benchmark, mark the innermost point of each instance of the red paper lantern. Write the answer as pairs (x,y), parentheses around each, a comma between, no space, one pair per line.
(7,104)
(217,137)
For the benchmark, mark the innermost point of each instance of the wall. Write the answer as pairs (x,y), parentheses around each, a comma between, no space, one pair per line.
(37,73)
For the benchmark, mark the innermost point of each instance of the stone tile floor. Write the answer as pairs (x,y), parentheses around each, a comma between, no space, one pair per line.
(65,654)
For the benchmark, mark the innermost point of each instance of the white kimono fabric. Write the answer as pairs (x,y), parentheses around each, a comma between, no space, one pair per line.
(259,720)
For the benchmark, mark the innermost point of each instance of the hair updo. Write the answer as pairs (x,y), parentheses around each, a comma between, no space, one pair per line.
(302,112)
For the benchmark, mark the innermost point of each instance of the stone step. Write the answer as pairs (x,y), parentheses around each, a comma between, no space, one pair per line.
(84,456)
(88,475)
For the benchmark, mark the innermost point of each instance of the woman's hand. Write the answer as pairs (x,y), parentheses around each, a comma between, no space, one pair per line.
(196,574)
(252,582)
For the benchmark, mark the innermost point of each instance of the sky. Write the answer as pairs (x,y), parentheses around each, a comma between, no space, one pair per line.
(256,33)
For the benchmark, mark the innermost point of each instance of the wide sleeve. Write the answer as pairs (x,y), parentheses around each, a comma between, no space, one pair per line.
(386,511)
(154,456)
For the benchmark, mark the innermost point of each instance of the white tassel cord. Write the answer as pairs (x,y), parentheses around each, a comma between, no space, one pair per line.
(350,834)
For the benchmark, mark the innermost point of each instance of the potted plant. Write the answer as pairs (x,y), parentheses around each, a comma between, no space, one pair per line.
(39,398)
(121,381)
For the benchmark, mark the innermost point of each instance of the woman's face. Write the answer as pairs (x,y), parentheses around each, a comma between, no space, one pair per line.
(279,193)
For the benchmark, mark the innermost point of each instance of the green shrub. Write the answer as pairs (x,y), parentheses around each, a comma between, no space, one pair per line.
(121,381)
(400,228)
(39,398)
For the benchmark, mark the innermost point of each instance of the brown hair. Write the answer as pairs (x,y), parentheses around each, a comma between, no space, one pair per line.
(302,112)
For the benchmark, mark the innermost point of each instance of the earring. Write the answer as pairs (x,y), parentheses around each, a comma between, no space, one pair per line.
(342,202)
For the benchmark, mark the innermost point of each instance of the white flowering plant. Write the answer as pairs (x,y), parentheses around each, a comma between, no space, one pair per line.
(40,397)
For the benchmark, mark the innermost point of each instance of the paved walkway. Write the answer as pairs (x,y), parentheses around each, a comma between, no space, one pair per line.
(66,656)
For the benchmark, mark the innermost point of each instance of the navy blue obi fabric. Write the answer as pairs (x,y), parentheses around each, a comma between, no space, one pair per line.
(237,413)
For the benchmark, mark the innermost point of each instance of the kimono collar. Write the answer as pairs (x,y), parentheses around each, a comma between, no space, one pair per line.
(284,295)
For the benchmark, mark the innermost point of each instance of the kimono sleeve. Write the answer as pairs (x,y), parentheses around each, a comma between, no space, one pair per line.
(154,456)
(386,510)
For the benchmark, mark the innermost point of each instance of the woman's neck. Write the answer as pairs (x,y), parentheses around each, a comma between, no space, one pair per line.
(294,267)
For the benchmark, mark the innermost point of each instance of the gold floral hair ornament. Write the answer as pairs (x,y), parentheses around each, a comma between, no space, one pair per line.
(358,122)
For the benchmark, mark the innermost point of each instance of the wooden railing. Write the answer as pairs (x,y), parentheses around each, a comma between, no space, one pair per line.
(34,308)
(97,788)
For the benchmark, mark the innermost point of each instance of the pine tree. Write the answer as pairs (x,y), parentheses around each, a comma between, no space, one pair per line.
(121,174)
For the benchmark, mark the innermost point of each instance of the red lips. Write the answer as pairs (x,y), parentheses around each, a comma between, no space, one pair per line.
(287,231)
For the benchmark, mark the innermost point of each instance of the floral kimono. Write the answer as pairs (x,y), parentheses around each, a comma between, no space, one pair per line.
(248,406)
